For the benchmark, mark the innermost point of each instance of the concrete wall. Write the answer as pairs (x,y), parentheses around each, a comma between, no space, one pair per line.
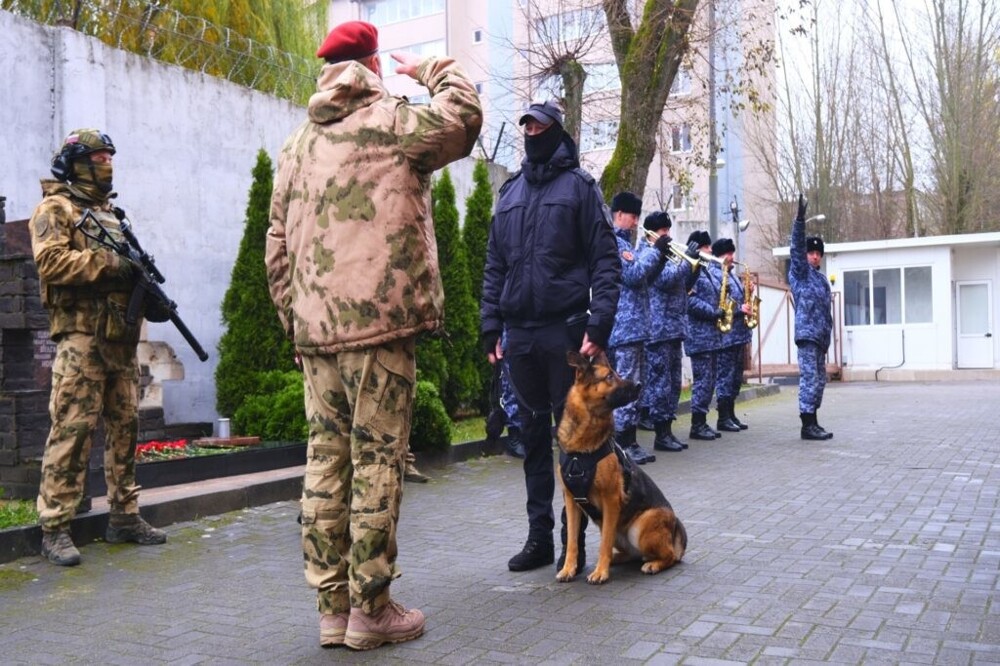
(187,143)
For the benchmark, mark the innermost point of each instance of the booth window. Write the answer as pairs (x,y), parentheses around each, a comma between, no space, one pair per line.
(885,296)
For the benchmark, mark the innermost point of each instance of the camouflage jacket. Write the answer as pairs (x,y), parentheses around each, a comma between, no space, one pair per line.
(351,255)
(640,266)
(76,274)
(812,293)
(668,303)
(703,307)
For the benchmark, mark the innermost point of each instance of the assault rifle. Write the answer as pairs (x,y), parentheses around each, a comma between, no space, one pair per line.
(147,289)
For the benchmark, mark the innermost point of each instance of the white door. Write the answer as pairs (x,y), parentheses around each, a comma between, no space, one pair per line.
(975,325)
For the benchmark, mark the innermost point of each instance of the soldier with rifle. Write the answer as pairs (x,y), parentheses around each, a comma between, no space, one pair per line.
(97,285)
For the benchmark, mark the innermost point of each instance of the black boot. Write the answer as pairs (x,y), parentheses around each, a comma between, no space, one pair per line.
(515,447)
(725,422)
(645,423)
(536,553)
(736,420)
(700,429)
(829,435)
(626,440)
(665,440)
(810,429)
(581,544)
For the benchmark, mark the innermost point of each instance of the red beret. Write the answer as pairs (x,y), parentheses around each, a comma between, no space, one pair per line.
(349,41)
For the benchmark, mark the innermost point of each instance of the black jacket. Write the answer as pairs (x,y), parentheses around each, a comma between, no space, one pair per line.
(552,252)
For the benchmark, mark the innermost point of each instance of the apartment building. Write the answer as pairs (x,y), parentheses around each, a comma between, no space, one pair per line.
(507,46)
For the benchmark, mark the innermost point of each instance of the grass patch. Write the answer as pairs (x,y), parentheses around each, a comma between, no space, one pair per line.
(15,513)
(468,430)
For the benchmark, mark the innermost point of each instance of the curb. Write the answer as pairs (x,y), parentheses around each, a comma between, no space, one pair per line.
(190,501)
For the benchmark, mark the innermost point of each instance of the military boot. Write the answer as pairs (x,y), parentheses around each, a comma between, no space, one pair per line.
(811,429)
(124,527)
(665,440)
(736,420)
(700,428)
(581,546)
(58,548)
(626,440)
(725,422)
(829,435)
(411,473)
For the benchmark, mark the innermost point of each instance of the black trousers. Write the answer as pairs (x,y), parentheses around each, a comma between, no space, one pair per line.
(541,378)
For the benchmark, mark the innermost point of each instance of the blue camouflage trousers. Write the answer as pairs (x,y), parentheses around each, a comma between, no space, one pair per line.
(729,379)
(812,377)
(662,391)
(358,405)
(629,361)
(508,399)
(703,369)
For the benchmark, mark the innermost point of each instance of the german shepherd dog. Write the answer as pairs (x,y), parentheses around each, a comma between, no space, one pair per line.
(636,520)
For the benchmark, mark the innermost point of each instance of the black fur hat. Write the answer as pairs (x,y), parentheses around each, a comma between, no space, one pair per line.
(700,237)
(814,244)
(626,202)
(723,246)
(656,221)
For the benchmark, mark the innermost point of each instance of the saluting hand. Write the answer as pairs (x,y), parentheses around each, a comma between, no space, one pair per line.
(408,63)
(803,204)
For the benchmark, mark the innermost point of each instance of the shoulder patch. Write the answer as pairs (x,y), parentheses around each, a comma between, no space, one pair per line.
(42,226)
(627,255)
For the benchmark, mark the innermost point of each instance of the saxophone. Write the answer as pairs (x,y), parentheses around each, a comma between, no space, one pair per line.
(749,288)
(725,324)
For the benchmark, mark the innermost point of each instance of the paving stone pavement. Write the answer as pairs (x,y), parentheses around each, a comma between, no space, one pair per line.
(879,546)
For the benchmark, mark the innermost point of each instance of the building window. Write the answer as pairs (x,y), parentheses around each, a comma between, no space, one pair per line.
(680,138)
(572,25)
(682,83)
(425,49)
(383,12)
(885,296)
(477,36)
(598,136)
(678,199)
(601,77)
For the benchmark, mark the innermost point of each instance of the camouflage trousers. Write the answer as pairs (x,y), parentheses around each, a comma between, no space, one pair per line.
(358,405)
(729,379)
(703,371)
(662,391)
(86,386)
(629,361)
(812,377)
(508,399)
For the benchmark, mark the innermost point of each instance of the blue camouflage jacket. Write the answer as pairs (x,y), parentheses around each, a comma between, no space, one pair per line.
(812,294)
(739,335)
(668,303)
(640,266)
(703,303)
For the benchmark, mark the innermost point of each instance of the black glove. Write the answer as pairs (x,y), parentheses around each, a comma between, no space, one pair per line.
(663,245)
(693,250)
(157,311)
(490,341)
(803,204)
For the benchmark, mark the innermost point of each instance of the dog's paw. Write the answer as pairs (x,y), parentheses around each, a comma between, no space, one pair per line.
(598,577)
(652,568)
(565,575)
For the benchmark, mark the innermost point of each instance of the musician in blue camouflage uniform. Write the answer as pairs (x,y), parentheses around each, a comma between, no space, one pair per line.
(813,322)
(729,379)
(668,326)
(626,346)
(704,339)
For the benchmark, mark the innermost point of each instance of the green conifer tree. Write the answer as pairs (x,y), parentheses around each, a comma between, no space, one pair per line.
(475,236)
(461,386)
(254,341)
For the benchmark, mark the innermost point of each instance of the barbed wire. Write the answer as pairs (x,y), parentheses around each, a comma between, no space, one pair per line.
(154,30)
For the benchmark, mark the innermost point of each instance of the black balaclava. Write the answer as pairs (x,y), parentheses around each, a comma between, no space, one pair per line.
(540,148)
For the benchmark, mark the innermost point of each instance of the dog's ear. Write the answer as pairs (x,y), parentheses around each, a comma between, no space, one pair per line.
(577,360)
(601,359)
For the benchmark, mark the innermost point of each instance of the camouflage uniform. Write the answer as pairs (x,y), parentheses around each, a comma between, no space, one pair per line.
(730,357)
(95,373)
(626,346)
(813,321)
(704,339)
(668,327)
(353,272)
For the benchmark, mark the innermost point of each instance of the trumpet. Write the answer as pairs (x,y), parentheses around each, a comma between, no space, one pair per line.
(678,251)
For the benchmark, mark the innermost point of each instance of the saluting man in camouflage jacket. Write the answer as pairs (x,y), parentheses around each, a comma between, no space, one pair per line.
(813,322)
(85,289)
(353,271)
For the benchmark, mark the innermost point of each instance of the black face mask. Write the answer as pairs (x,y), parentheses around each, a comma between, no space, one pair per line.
(540,147)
